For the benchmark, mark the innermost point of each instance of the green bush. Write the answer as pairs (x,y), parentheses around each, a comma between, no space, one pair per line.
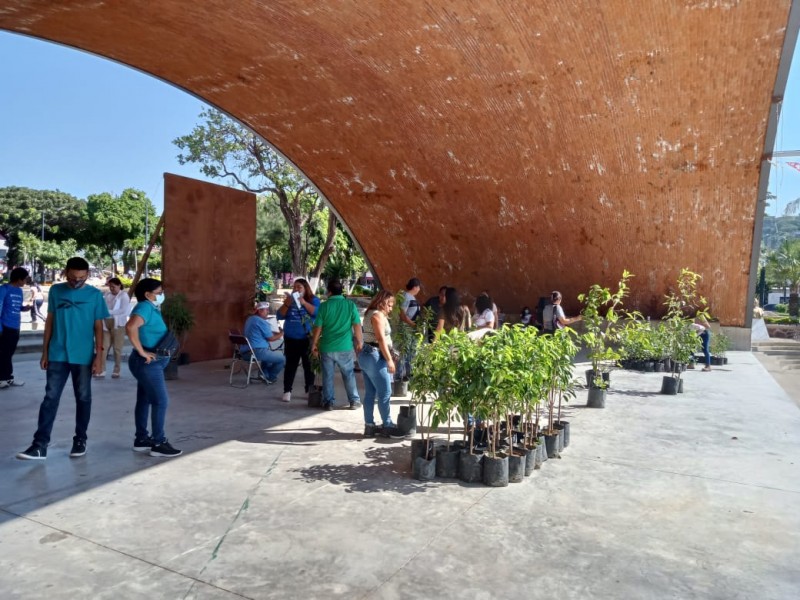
(780,320)
(782,308)
(362,291)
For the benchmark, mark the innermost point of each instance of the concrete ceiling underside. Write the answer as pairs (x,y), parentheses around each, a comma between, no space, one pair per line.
(518,147)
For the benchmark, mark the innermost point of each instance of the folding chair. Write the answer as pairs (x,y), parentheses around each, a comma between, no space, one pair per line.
(240,359)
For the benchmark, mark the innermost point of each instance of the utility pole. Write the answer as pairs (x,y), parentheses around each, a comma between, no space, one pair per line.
(146,236)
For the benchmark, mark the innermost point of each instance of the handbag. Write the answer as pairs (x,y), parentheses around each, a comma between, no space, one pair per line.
(168,345)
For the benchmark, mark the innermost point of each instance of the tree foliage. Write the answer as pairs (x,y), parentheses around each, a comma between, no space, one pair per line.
(116,223)
(226,150)
(22,211)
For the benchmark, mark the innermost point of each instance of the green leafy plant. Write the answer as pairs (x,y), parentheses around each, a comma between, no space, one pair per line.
(601,314)
(720,344)
(178,316)
(683,305)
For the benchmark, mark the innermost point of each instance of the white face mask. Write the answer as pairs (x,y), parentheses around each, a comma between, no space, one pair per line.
(159,299)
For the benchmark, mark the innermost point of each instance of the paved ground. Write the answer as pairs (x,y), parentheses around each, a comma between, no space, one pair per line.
(693,496)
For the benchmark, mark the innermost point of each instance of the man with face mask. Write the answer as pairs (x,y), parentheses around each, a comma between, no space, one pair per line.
(72,346)
(260,333)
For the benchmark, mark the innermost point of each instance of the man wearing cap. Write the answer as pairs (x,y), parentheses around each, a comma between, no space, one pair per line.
(260,333)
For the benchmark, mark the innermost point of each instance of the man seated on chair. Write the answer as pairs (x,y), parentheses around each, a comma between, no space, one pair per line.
(260,333)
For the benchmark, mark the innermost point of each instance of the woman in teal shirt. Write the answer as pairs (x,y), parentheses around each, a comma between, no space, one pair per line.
(145,329)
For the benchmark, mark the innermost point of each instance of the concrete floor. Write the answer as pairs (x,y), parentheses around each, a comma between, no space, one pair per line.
(694,496)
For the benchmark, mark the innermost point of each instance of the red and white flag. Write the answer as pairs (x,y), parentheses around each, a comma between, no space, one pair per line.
(794,165)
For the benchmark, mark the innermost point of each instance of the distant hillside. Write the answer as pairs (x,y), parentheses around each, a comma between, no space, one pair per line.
(777,229)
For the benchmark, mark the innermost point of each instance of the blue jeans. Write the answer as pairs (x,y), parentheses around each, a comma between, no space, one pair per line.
(151,396)
(377,382)
(271,361)
(706,339)
(346,364)
(57,374)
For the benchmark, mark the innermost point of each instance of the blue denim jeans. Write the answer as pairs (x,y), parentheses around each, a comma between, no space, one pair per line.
(377,383)
(271,361)
(346,364)
(151,396)
(57,374)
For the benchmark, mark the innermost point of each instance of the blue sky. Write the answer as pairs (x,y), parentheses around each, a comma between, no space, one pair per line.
(84,125)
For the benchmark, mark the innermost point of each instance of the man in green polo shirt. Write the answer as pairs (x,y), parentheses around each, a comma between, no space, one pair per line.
(72,347)
(336,325)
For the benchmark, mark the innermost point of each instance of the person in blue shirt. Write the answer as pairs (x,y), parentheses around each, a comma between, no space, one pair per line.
(298,312)
(145,330)
(10,307)
(260,333)
(72,347)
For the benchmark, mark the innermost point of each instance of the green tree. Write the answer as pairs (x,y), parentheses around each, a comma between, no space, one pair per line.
(54,255)
(271,239)
(53,214)
(116,223)
(226,150)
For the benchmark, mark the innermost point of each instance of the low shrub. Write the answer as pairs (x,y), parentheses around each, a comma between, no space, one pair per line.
(780,320)
(782,308)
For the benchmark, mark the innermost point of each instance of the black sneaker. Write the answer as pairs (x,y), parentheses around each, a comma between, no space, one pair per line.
(165,449)
(78,449)
(143,445)
(355,405)
(328,406)
(33,453)
(370,429)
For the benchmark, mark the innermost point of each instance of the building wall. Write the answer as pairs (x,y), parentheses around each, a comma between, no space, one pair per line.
(209,256)
(518,147)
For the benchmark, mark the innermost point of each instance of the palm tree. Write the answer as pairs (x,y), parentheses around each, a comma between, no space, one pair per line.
(784,262)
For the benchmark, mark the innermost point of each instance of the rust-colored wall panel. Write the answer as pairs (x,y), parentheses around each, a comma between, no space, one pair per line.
(209,255)
(515,146)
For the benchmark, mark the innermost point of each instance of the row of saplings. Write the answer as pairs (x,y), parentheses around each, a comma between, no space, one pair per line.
(501,386)
(614,336)
(499,389)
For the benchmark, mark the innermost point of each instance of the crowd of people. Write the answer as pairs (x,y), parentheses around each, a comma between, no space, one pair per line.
(81,326)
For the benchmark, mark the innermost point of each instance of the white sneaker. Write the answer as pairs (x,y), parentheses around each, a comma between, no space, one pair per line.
(99,375)
(15,382)
(4,385)
(287,396)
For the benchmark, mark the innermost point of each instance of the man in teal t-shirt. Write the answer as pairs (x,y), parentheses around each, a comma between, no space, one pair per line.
(335,326)
(72,346)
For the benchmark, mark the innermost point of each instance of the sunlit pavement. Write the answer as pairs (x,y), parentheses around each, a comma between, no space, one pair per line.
(689,496)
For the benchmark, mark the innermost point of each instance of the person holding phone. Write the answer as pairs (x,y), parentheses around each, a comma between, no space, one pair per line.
(297,312)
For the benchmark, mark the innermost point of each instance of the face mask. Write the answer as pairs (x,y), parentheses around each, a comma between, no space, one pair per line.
(78,283)
(159,299)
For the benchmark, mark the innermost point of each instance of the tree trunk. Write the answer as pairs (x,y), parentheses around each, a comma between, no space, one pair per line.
(327,249)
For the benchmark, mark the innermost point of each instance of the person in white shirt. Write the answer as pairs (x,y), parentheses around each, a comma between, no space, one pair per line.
(484,313)
(119,305)
(554,317)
